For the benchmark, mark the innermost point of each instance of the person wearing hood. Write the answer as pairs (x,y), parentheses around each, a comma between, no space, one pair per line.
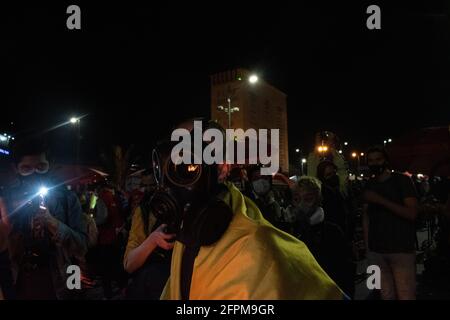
(324,239)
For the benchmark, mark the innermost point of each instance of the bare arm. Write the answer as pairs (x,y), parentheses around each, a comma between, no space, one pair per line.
(136,257)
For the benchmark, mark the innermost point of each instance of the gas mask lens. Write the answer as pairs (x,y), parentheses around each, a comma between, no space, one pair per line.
(183,174)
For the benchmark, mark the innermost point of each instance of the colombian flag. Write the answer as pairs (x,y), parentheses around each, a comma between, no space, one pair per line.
(252,261)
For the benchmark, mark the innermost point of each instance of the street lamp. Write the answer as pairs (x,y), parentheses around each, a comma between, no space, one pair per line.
(356,155)
(345,143)
(229,110)
(389,140)
(252,79)
(303,163)
(297,150)
(76,121)
(322,149)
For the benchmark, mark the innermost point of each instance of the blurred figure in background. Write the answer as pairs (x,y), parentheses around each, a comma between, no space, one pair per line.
(389,217)
(333,201)
(260,191)
(326,148)
(324,239)
(238,176)
(110,220)
(6,277)
(48,231)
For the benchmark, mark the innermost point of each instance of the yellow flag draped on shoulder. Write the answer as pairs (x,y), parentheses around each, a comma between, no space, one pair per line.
(253,260)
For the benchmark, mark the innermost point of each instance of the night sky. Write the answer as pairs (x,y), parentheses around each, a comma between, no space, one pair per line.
(136,71)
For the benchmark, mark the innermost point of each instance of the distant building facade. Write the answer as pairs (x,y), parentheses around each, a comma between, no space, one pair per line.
(261,106)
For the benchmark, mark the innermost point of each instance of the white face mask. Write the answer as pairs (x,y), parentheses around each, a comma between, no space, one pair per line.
(261,186)
(317,217)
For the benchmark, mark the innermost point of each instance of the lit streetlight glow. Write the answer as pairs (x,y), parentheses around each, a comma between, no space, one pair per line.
(322,148)
(253,79)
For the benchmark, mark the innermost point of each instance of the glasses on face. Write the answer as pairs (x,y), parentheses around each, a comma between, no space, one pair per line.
(27,169)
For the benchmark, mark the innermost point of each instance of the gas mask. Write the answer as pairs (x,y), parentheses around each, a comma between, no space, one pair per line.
(184,195)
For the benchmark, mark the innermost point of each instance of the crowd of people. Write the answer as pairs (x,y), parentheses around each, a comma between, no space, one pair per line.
(237,236)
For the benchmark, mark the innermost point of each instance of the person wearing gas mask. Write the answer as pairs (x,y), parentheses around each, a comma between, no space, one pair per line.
(47,229)
(324,239)
(261,193)
(389,216)
(224,248)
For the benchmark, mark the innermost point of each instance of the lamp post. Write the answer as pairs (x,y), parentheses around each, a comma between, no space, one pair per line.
(356,156)
(303,163)
(76,122)
(252,79)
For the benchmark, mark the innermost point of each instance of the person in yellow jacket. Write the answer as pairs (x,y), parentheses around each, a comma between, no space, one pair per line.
(224,248)
(252,260)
